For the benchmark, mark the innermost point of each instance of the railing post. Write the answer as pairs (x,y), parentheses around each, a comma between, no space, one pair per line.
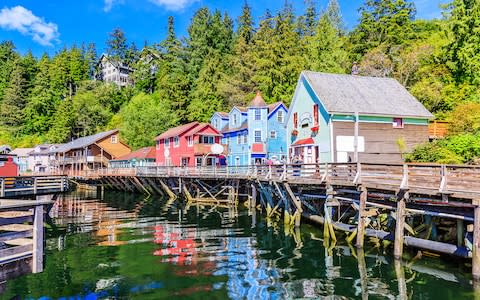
(476,241)
(2,188)
(404,184)
(358,175)
(443,182)
(34,185)
(400,224)
(37,259)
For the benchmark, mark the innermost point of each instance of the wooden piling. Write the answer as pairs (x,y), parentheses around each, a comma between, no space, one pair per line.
(361,218)
(476,242)
(37,257)
(400,224)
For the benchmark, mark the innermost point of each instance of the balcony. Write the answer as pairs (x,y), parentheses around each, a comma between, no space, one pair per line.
(202,149)
(80,160)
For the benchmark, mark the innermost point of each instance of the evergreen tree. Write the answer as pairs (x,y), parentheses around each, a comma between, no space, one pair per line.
(383,22)
(14,100)
(464,49)
(117,45)
(42,103)
(91,59)
(7,58)
(238,87)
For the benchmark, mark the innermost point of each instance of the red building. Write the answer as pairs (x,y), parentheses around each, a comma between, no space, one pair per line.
(7,167)
(188,145)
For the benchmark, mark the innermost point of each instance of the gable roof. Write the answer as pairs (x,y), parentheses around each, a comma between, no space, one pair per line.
(84,141)
(21,151)
(140,154)
(175,131)
(258,101)
(340,93)
(201,127)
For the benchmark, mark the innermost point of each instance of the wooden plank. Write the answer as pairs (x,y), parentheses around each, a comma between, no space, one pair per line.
(400,225)
(15,214)
(361,218)
(15,250)
(38,234)
(16,227)
(19,242)
(15,235)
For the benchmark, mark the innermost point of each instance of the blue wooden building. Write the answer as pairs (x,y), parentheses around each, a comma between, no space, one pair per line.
(348,118)
(254,133)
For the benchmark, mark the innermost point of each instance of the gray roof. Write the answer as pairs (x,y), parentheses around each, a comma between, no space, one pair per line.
(22,151)
(85,141)
(341,93)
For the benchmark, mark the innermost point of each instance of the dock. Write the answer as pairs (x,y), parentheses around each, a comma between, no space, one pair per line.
(21,237)
(11,187)
(429,207)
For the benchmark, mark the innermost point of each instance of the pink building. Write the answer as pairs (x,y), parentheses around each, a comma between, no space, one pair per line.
(188,145)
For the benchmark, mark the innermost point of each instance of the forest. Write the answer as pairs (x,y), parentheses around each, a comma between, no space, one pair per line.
(222,62)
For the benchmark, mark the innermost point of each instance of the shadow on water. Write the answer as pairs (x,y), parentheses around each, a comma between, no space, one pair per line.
(125,246)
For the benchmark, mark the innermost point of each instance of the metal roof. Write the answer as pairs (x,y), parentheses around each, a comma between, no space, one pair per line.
(341,93)
(140,154)
(84,141)
(176,131)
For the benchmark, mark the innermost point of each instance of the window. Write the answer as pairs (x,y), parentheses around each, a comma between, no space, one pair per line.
(189,141)
(113,139)
(245,138)
(239,139)
(295,120)
(176,142)
(315,115)
(273,134)
(397,123)
(280,116)
(167,143)
(158,145)
(258,114)
(258,136)
(205,139)
(215,123)
(234,121)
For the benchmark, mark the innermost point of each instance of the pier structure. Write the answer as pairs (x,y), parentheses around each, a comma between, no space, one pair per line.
(12,187)
(425,206)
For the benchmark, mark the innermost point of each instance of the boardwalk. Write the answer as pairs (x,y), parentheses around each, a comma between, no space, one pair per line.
(429,207)
(32,185)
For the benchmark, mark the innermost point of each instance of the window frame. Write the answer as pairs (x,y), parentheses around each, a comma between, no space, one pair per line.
(398,123)
(176,142)
(189,141)
(280,116)
(114,139)
(258,114)
(255,136)
(166,143)
(273,134)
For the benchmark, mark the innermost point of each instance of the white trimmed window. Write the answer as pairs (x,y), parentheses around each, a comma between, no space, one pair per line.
(189,141)
(239,139)
(245,138)
(167,143)
(273,134)
(113,139)
(158,145)
(258,136)
(280,116)
(176,142)
(258,114)
(234,121)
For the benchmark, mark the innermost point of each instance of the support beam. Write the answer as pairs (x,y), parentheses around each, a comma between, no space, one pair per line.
(476,243)
(400,224)
(361,217)
(37,259)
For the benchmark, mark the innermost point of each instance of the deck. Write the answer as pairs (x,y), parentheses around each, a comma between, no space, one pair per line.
(11,187)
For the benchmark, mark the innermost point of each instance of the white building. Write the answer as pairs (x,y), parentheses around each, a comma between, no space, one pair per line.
(110,70)
(22,159)
(42,158)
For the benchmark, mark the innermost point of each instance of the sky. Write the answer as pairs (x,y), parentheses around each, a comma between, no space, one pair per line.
(48,25)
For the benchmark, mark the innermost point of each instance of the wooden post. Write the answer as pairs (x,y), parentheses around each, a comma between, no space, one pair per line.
(476,242)
(2,188)
(402,283)
(37,259)
(460,232)
(34,185)
(254,197)
(400,224)
(361,217)
(355,138)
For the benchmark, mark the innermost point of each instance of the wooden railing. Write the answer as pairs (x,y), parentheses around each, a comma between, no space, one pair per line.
(464,181)
(31,185)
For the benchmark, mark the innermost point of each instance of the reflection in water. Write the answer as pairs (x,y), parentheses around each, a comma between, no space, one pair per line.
(125,247)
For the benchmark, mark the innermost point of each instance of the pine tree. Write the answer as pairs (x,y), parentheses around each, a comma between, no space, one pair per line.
(91,59)
(14,100)
(117,45)
(42,102)
(7,58)
(238,87)
(464,49)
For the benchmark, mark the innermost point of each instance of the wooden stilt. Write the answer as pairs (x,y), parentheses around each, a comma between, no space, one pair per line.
(296,202)
(460,232)
(400,224)
(402,284)
(476,243)
(362,270)
(37,259)
(361,218)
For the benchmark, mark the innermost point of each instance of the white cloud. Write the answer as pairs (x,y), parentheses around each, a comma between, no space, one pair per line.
(23,20)
(108,4)
(173,5)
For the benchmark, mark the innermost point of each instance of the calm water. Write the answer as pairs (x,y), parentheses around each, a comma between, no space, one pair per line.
(127,247)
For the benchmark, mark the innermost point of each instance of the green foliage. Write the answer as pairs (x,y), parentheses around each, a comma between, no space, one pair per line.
(465,118)
(144,117)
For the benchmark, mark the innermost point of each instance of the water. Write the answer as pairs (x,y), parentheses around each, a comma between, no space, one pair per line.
(127,247)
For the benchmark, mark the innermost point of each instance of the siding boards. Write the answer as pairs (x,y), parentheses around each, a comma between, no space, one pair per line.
(381,139)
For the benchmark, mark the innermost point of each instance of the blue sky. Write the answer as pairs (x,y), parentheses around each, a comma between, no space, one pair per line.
(48,25)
